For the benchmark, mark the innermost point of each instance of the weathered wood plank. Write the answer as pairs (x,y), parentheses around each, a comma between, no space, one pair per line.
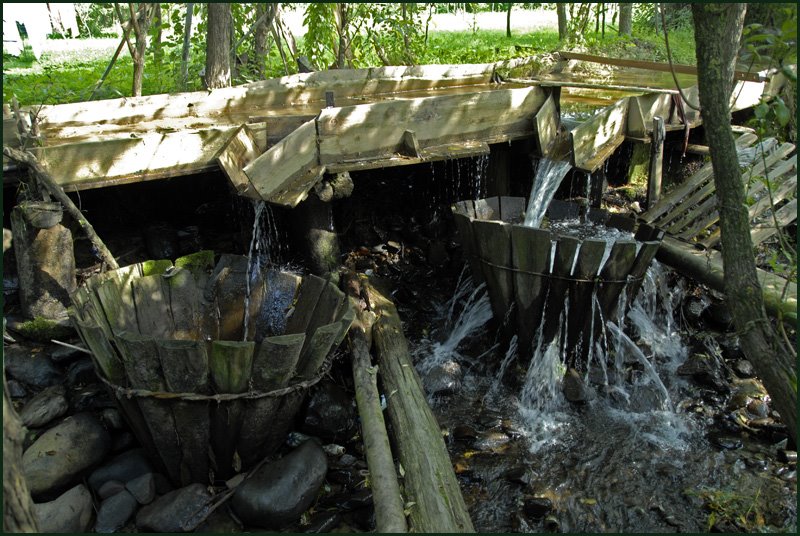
(281,290)
(152,300)
(273,367)
(492,240)
(547,121)
(436,153)
(325,310)
(288,170)
(467,241)
(240,150)
(118,306)
(186,289)
(530,255)
(185,366)
(316,350)
(594,140)
(784,216)
(308,295)
(566,248)
(581,285)
(636,274)
(512,209)
(225,297)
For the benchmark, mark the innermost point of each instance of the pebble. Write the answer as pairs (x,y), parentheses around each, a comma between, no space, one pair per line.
(121,441)
(115,512)
(16,389)
(464,433)
(219,522)
(491,441)
(443,379)
(81,372)
(331,413)
(112,418)
(46,406)
(32,368)
(71,512)
(278,492)
(90,397)
(725,442)
(705,370)
(536,507)
(347,502)
(123,468)
(64,354)
(517,475)
(64,453)
(143,488)
(574,388)
(758,408)
(787,456)
(743,368)
(177,511)
(112,487)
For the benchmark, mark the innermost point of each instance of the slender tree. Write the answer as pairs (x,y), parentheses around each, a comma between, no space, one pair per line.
(625,18)
(262,32)
(218,46)
(718,29)
(561,10)
(187,36)
(508,19)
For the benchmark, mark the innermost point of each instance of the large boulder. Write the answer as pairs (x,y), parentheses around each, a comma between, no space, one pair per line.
(277,493)
(64,453)
(71,512)
(123,468)
(33,368)
(49,404)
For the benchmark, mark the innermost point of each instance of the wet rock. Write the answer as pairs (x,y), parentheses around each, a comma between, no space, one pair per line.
(219,522)
(15,389)
(64,453)
(348,477)
(490,419)
(743,368)
(280,491)
(71,512)
(551,524)
(491,441)
(115,512)
(646,398)
(112,419)
(718,315)
(725,442)
(143,488)
(322,522)
(46,406)
(536,507)
(64,354)
(112,487)
(731,347)
(517,475)
(163,485)
(573,387)
(81,372)
(787,456)
(692,308)
(758,408)
(464,432)
(177,511)
(90,397)
(123,468)
(330,414)
(706,371)
(122,441)
(346,460)
(444,379)
(32,368)
(348,502)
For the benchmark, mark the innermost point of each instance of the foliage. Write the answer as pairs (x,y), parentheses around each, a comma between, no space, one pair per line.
(97,18)
(731,510)
(485,46)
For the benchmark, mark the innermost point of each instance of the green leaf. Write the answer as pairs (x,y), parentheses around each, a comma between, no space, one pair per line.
(781,113)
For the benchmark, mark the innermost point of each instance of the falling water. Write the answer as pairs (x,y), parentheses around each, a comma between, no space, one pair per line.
(548,177)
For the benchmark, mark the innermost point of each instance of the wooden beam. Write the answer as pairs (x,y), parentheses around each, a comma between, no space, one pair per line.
(548,121)
(655,66)
(436,153)
(594,140)
(238,153)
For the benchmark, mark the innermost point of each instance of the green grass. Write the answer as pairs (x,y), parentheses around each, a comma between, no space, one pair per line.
(70,77)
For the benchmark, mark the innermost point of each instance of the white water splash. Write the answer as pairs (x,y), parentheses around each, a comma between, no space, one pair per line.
(548,177)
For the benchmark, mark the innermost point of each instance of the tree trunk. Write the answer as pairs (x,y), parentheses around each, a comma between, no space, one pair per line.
(625,18)
(18,513)
(508,19)
(262,32)
(561,9)
(718,28)
(187,35)
(141,27)
(157,51)
(341,10)
(218,46)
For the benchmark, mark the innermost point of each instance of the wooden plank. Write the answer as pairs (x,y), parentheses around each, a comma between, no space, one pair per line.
(784,215)
(594,140)
(547,121)
(118,306)
(185,366)
(273,366)
(225,298)
(308,295)
(356,132)
(493,245)
(467,240)
(512,208)
(325,310)
(281,291)
(240,150)
(186,290)
(590,255)
(143,368)
(436,153)
(288,170)
(530,255)
(152,301)
(316,349)
(613,279)
(652,65)
(637,272)
(230,365)
(566,248)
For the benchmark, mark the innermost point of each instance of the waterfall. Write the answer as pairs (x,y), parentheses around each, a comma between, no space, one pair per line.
(548,177)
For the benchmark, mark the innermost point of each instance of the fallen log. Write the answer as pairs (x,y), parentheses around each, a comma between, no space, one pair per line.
(56,191)
(433,498)
(389,516)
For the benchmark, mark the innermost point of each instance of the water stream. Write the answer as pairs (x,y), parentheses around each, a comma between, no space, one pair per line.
(549,175)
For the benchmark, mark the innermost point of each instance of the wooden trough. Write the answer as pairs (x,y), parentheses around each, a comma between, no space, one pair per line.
(209,381)
(532,273)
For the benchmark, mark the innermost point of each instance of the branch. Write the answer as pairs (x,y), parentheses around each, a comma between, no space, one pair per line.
(58,192)
(125,36)
(125,33)
(671,68)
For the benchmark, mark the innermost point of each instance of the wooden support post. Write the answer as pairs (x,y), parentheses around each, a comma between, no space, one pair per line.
(432,491)
(499,170)
(329,100)
(411,144)
(656,162)
(389,516)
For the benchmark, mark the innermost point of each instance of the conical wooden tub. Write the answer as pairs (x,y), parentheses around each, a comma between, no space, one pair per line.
(530,271)
(201,395)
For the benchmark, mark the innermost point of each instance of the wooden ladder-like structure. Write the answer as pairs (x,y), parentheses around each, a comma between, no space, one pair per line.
(689,216)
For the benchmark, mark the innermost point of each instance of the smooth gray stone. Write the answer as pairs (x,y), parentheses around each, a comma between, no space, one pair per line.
(143,488)
(279,492)
(46,406)
(71,512)
(64,453)
(123,468)
(180,510)
(35,369)
(115,512)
